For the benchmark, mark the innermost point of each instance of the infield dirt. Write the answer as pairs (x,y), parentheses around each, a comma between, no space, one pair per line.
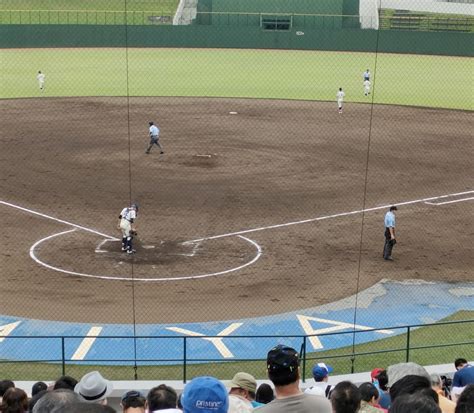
(83,159)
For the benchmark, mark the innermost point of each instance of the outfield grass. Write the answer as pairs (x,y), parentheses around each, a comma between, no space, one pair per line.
(340,359)
(435,81)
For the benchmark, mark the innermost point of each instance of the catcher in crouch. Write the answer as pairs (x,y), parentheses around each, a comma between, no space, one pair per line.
(126,225)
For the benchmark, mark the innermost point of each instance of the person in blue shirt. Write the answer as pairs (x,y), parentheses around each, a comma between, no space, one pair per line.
(390,240)
(464,374)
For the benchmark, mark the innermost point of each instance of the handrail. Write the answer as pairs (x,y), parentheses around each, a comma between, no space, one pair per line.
(185,360)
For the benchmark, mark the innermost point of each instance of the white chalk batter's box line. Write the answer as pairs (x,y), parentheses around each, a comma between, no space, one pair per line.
(238,234)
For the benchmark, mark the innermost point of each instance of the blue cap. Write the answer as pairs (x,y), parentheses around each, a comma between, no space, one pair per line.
(321,370)
(205,395)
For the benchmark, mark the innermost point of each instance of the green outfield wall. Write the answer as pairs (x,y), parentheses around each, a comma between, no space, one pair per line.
(23,36)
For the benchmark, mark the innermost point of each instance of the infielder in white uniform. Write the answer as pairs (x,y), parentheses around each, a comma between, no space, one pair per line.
(340,99)
(40,77)
(154,133)
(126,224)
(367,87)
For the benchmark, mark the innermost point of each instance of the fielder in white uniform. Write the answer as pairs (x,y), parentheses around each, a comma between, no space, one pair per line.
(367,87)
(366,75)
(127,219)
(340,99)
(40,77)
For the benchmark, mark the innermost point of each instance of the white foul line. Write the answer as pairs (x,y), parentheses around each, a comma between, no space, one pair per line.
(86,344)
(58,220)
(450,202)
(342,214)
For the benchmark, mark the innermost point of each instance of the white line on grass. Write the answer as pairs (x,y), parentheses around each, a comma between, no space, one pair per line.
(342,214)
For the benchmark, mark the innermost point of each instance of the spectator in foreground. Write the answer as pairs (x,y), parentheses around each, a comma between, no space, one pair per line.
(163,399)
(65,382)
(133,402)
(264,394)
(284,372)
(38,387)
(345,398)
(242,393)
(369,398)
(205,395)
(414,403)
(14,401)
(463,376)
(4,386)
(381,381)
(465,402)
(56,399)
(85,407)
(93,388)
(321,373)
(409,385)
(398,371)
(446,405)
(34,399)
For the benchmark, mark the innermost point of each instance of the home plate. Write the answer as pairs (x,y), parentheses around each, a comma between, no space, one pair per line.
(232,113)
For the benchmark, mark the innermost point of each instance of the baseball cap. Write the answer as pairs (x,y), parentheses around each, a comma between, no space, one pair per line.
(393,208)
(375,372)
(321,370)
(132,394)
(244,381)
(205,395)
(282,357)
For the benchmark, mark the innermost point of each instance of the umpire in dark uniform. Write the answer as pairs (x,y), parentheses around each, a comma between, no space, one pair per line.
(390,239)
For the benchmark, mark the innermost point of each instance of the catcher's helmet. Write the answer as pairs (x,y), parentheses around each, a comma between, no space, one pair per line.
(135,206)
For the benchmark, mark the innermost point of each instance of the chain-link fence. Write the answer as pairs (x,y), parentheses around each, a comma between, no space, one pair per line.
(286,131)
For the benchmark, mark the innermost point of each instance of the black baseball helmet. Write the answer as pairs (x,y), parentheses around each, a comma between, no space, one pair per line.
(150,123)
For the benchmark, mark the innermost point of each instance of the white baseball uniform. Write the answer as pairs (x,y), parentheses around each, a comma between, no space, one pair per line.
(40,77)
(128,215)
(367,87)
(340,98)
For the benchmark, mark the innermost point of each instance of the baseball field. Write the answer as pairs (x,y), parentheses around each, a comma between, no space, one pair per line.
(267,201)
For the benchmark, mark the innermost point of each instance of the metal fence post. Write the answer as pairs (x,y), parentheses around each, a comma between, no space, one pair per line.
(407,359)
(63,356)
(304,360)
(184,358)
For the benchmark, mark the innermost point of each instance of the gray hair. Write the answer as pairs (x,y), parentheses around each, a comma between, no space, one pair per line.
(56,399)
(436,380)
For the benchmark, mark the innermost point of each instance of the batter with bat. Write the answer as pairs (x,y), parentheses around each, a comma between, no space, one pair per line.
(126,224)
(390,240)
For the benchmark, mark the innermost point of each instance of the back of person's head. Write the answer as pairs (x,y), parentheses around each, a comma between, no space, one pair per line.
(465,402)
(84,407)
(459,362)
(436,380)
(65,382)
(408,385)
(430,393)
(37,387)
(133,400)
(283,365)
(56,399)
(14,401)
(264,394)
(368,392)
(382,378)
(5,385)
(35,398)
(162,397)
(345,398)
(414,403)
